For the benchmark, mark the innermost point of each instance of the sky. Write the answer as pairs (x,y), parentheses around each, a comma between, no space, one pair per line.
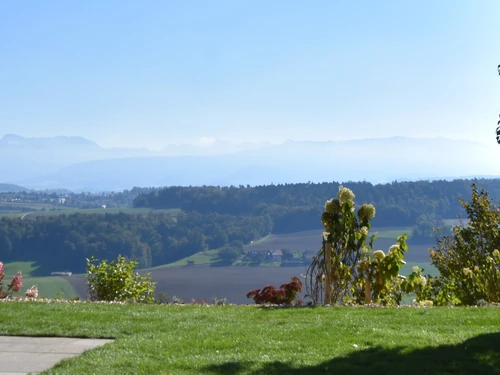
(153,73)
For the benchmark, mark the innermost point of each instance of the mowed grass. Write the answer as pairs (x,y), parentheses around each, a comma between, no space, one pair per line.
(251,340)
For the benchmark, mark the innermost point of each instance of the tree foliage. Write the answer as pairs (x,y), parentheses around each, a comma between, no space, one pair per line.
(295,207)
(469,260)
(63,242)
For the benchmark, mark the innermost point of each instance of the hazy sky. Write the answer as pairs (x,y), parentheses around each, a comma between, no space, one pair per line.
(150,73)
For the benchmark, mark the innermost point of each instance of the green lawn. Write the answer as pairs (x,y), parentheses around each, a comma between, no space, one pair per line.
(250,340)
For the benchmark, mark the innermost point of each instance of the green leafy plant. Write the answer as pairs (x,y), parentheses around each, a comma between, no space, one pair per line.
(380,273)
(346,269)
(469,259)
(117,281)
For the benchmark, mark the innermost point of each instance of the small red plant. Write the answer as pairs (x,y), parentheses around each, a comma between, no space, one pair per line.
(284,295)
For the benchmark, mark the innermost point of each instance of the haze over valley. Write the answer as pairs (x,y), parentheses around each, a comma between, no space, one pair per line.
(79,164)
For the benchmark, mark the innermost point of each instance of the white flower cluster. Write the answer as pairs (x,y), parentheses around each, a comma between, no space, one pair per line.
(393,249)
(379,255)
(366,212)
(364,231)
(423,281)
(345,194)
(332,206)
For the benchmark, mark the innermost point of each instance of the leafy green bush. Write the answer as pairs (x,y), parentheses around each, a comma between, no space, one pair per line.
(117,281)
(468,260)
(380,272)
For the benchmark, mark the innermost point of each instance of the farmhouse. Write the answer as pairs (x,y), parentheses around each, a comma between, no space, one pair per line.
(276,255)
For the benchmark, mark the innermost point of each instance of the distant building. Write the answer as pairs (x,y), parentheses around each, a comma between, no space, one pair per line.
(61,273)
(276,255)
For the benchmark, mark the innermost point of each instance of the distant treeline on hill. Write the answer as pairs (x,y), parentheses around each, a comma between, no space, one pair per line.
(62,242)
(294,207)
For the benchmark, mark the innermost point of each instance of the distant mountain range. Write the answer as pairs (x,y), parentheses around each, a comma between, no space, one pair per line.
(11,188)
(80,164)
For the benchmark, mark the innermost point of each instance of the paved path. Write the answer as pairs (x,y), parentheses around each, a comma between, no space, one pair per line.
(22,355)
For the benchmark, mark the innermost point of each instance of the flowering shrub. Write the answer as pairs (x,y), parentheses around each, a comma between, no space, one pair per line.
(286,294)
(117,281)
(14,286)
(346,269)
(380,273)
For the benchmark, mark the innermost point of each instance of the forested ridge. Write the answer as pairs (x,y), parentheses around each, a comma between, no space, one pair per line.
(216,217)
(62,242)
(295,207)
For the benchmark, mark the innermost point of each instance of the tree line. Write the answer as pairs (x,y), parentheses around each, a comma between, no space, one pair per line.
(294,207)
(63,242)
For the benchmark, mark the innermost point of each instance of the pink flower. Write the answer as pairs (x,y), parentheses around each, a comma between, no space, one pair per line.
(17,282)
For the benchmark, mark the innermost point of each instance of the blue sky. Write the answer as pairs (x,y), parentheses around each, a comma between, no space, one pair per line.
(150,73)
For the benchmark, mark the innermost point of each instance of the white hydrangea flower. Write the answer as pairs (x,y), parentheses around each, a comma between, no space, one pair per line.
(332,206)
(366,212)
(345,195)
(415,269)
(466,271)
(379,254)
(423,281)
(393,249)
(364,231)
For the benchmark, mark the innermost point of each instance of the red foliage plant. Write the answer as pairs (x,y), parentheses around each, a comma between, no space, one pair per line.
(284,295)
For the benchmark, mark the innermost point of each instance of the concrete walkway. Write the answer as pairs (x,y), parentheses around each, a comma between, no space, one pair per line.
(23,355)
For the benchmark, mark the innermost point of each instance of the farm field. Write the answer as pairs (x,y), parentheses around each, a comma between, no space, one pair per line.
(34,213)
(232,283)
(205,280)
(126,210)
(49,286)
(311,241)
(203,257)
(218,340)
